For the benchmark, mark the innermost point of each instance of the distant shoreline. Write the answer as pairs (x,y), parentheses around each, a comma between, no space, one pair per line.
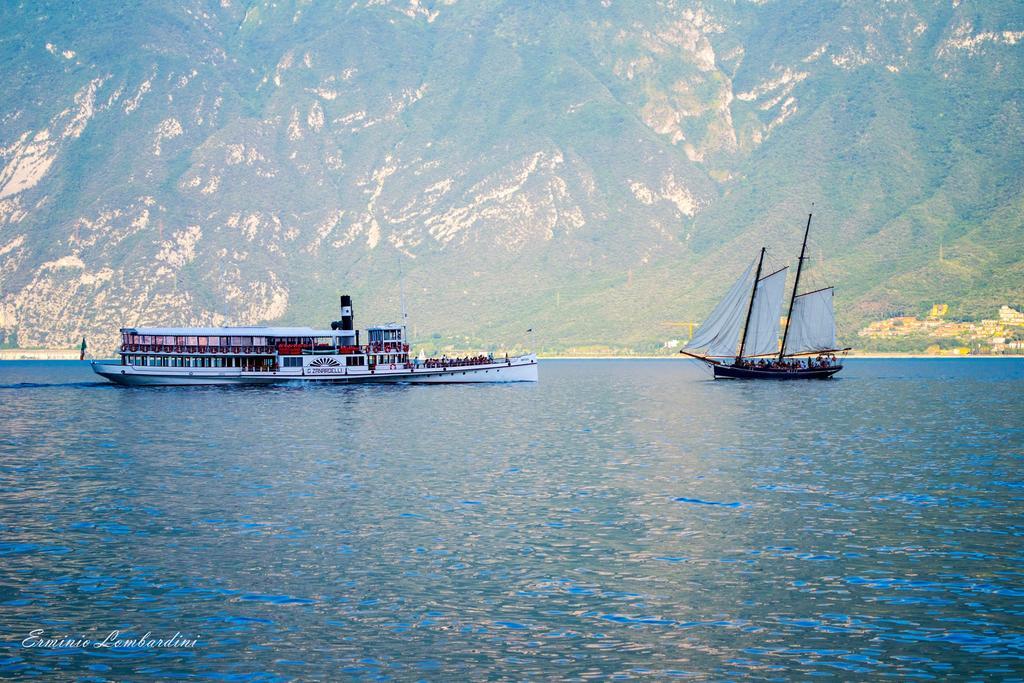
(865,356)
(39,354)
(72,354)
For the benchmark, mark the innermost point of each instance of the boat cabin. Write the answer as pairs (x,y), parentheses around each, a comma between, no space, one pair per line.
(264,349)
(387,345)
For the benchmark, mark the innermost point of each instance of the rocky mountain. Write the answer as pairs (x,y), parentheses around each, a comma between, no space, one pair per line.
(590,169)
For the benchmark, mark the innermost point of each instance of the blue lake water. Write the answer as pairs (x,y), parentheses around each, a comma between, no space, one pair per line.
(619,518)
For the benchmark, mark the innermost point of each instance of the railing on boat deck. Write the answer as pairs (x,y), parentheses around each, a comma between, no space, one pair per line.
(461,362)
(164,348)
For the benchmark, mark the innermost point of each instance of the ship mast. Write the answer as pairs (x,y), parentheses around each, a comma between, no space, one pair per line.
(750,309)
(796,286)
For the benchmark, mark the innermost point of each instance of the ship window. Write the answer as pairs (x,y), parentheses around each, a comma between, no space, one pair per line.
(292,362)
(259,341)
(203,341)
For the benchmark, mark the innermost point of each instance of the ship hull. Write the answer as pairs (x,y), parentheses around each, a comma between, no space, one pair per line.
(734,372)
(522,369)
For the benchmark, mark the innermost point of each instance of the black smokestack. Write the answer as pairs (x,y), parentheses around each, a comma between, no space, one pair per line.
(348,319)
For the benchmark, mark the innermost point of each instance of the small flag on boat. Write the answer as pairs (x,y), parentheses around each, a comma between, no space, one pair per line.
(82,355)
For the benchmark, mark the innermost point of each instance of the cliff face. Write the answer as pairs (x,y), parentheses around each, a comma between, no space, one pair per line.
(589,169)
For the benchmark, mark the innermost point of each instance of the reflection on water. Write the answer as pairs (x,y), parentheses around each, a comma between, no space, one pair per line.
(619,517)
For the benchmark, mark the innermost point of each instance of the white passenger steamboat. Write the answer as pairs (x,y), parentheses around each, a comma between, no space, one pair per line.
(268,355)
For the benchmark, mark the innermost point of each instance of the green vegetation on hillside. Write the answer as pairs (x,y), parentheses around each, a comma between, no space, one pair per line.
(597,173)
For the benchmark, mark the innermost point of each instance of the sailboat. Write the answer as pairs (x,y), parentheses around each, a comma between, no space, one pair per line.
(744,344)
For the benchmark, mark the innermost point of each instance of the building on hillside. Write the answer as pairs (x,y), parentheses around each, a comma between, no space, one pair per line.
(1002,335)
(1010,316)
(901,326)
(951,330)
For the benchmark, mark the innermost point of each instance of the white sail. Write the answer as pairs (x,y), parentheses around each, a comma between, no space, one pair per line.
(813,324)
(763,328)
(720,333)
